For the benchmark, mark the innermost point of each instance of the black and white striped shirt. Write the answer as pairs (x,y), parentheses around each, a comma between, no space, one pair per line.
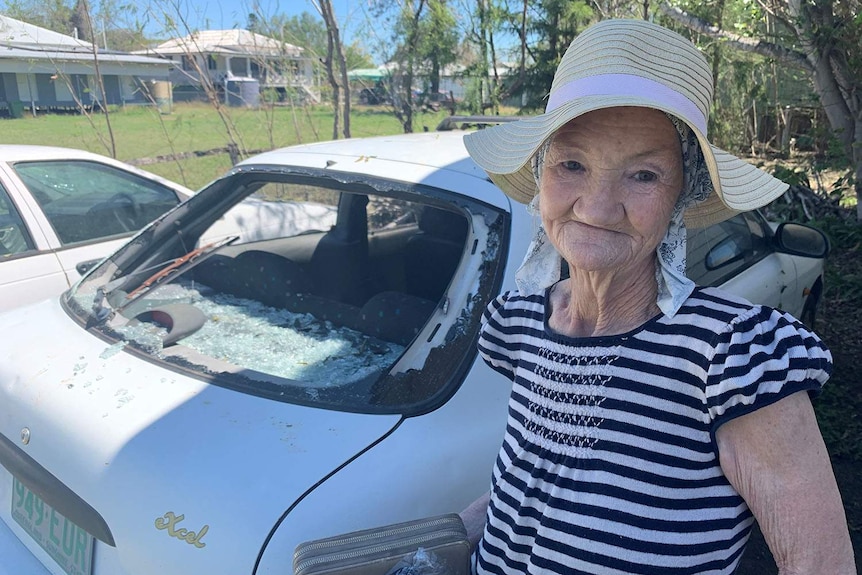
(609,464)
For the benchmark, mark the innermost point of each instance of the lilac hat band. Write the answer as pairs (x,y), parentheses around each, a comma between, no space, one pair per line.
(627,84)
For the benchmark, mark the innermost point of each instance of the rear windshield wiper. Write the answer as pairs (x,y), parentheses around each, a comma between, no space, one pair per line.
(174,268)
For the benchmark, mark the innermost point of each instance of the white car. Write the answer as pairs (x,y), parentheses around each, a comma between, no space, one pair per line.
(208,397)
(61,209)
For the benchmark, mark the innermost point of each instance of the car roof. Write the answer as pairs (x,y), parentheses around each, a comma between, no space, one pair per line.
(19,152)
(440,150)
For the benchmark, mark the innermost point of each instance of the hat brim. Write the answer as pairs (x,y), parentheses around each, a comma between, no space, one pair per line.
(504,152)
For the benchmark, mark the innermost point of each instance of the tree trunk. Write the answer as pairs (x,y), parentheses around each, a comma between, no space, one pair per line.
(336,54)
(857,160)
(483,46)
(336,70)
(716,48)
(837,110)
(522,64)
(842,107)
(434,80)
(407,78)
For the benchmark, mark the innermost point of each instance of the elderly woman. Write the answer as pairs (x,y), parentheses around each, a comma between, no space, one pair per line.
(651,421)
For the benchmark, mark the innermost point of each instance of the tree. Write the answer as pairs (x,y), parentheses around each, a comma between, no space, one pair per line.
(823,38)
(81,23)
(51,14)
(557,24)
(253,24)
(107,23)
(438,42)
(309,32)
(424,39)
(336,68)
(482,34)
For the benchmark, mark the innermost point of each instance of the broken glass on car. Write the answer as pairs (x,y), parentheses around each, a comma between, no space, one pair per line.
(346,293)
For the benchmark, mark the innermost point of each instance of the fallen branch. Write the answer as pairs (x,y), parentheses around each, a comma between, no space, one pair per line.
(187,155)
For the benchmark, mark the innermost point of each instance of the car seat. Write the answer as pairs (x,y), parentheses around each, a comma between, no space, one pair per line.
(433,254)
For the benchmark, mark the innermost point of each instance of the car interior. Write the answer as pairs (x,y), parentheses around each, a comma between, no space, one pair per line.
(384,281)
(13,235)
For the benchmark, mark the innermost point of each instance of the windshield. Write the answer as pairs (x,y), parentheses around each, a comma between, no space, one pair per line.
(351,293)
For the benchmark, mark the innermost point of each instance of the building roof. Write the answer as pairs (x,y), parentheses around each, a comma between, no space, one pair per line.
(229,42)
(22,41)
(367,74)
(84,57)
(16,33)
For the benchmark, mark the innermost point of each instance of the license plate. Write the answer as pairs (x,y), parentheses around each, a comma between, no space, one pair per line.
(69,545)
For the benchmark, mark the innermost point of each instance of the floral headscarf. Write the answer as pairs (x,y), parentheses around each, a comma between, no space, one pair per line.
(541,266)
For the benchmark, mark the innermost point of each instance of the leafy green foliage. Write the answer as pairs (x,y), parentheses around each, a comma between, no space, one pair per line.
(309,32)
(113,23)
(551,33)
(438,40)
(839,408)
(51,14)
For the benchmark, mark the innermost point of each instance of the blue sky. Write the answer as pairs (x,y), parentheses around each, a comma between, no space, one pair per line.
(226,14)
(353,19)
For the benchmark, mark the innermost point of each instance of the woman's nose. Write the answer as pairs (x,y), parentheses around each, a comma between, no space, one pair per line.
(599,201)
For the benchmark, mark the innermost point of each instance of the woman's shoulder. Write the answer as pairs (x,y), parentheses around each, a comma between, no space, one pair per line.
(514,307)
(716,300)
(731,317)
(717,309)
(514,299)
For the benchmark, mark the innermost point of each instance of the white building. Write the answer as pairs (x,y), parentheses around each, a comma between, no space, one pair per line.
(227,56)
(48,71)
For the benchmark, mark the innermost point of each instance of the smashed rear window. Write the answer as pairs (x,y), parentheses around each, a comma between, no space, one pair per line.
(350,293)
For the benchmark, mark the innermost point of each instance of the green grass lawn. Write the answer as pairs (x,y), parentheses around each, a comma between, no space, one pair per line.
(141,132)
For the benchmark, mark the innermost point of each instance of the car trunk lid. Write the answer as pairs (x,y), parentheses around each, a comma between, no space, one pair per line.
(186,476)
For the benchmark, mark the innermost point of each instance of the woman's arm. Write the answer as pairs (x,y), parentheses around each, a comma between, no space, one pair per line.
(474,518)
(776,459)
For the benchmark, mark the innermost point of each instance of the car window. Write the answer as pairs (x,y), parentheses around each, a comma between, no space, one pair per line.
(722,251)
(391,214)
(360,296)
(14,238)
(86,201)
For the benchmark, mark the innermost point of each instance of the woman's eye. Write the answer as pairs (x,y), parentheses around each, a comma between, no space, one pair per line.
(571,166)
(646,176)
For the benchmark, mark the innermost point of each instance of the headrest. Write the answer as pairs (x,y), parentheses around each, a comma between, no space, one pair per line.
(443,224)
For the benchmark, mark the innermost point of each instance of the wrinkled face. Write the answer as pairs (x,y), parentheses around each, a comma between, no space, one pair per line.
(609,184)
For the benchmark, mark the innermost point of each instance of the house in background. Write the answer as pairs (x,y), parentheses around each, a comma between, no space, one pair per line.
(238,63)
(46,71)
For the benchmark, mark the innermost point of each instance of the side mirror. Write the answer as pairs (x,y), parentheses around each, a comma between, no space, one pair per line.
(801,240)
(85,266)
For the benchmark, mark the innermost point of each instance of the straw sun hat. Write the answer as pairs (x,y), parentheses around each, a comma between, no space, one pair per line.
(626,63)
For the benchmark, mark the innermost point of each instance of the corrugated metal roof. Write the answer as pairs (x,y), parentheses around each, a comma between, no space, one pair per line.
(9,53)
(18,33)
(22,41)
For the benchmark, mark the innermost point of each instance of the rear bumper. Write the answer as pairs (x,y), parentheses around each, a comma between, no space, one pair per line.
(17,559)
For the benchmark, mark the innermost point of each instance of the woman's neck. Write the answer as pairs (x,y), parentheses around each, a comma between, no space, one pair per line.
(590,304)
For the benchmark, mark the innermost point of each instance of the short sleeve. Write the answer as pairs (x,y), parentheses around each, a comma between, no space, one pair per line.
(495,347)
(763,356)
